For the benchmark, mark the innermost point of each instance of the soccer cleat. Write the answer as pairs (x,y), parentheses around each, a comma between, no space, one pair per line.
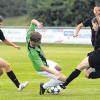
(62,86)
(42,90)
(23,85)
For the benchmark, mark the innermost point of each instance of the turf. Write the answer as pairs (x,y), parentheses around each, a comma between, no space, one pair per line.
(68,56)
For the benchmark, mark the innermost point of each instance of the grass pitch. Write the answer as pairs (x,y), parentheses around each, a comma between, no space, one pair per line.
(68,56)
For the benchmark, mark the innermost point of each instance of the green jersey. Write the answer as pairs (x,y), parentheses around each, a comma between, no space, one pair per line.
(35,53)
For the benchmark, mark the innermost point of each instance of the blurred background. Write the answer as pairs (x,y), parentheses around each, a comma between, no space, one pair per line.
(59,18)
(50,12)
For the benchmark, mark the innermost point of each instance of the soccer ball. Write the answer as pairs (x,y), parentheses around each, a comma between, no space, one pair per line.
(54,90)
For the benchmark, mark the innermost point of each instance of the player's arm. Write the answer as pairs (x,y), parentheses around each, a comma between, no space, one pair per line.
(77,29)
(47,69)
(84,23)
(32,28)
(98,19)
(7,42)
(37,23)
(2,37)
(39,64)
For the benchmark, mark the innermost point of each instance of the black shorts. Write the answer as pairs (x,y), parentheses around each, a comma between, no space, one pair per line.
(94,59)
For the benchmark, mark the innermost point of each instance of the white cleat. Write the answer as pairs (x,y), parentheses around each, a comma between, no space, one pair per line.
(23,85)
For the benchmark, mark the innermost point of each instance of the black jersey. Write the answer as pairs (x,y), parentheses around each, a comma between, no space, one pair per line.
(2,37)
(97,40)
(88,23)
(94,57)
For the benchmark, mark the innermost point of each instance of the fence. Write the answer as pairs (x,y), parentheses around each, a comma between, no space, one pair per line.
(50,35)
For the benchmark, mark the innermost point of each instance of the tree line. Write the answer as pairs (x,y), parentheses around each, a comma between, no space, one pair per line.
(50,12)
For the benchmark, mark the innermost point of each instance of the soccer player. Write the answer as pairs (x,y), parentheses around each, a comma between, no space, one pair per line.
(88,23)
(4,65)
(38,59)
(92,23)
(93,59)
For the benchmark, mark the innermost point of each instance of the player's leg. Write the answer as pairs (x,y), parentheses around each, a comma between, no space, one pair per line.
(84,64)
(92,73)
(89,70)
(51,83)
(53,65)
(55,80)
(56,67)
(94,62)
(6,66)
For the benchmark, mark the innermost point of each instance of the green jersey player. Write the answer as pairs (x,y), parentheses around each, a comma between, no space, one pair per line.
(36,55)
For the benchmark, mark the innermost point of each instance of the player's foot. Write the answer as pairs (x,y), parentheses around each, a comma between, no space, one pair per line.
(62,86)
(42,90)
(23,85)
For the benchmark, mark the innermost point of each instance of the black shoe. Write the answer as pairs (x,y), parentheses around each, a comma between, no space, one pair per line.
(62,86)
(42,90)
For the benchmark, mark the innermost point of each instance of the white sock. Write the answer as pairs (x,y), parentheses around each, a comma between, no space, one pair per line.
(51,83)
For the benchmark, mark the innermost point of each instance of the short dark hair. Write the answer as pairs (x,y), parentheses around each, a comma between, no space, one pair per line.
(35,36)
(1,18)
(97,5)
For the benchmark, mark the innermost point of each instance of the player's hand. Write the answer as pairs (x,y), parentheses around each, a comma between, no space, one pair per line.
(95,24)
(40,25)
(75,35)
(98,19)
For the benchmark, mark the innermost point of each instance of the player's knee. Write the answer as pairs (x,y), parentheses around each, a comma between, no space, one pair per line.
(7,67)
(83,65)
(58,68)
(89,74)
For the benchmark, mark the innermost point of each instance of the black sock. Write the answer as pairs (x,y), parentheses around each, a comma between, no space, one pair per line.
(72,76)
(12,76)
(94,75)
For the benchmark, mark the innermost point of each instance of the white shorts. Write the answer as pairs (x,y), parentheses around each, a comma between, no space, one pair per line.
(51,65)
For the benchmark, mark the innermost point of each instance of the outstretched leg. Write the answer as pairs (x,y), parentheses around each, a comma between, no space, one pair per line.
(6,66)
(84,64)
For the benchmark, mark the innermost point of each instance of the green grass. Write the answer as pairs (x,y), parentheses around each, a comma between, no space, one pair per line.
(68,56)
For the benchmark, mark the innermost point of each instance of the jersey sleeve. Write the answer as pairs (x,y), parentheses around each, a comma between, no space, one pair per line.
(87,22)
(2,37)
(31,29)
(36,60)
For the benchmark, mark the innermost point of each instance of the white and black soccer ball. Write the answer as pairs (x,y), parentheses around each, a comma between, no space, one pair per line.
(55,90)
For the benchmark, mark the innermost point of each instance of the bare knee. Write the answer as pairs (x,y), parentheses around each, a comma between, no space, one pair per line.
(88,71)
(84,64)
(4,65)
(58,68)
(7,67)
